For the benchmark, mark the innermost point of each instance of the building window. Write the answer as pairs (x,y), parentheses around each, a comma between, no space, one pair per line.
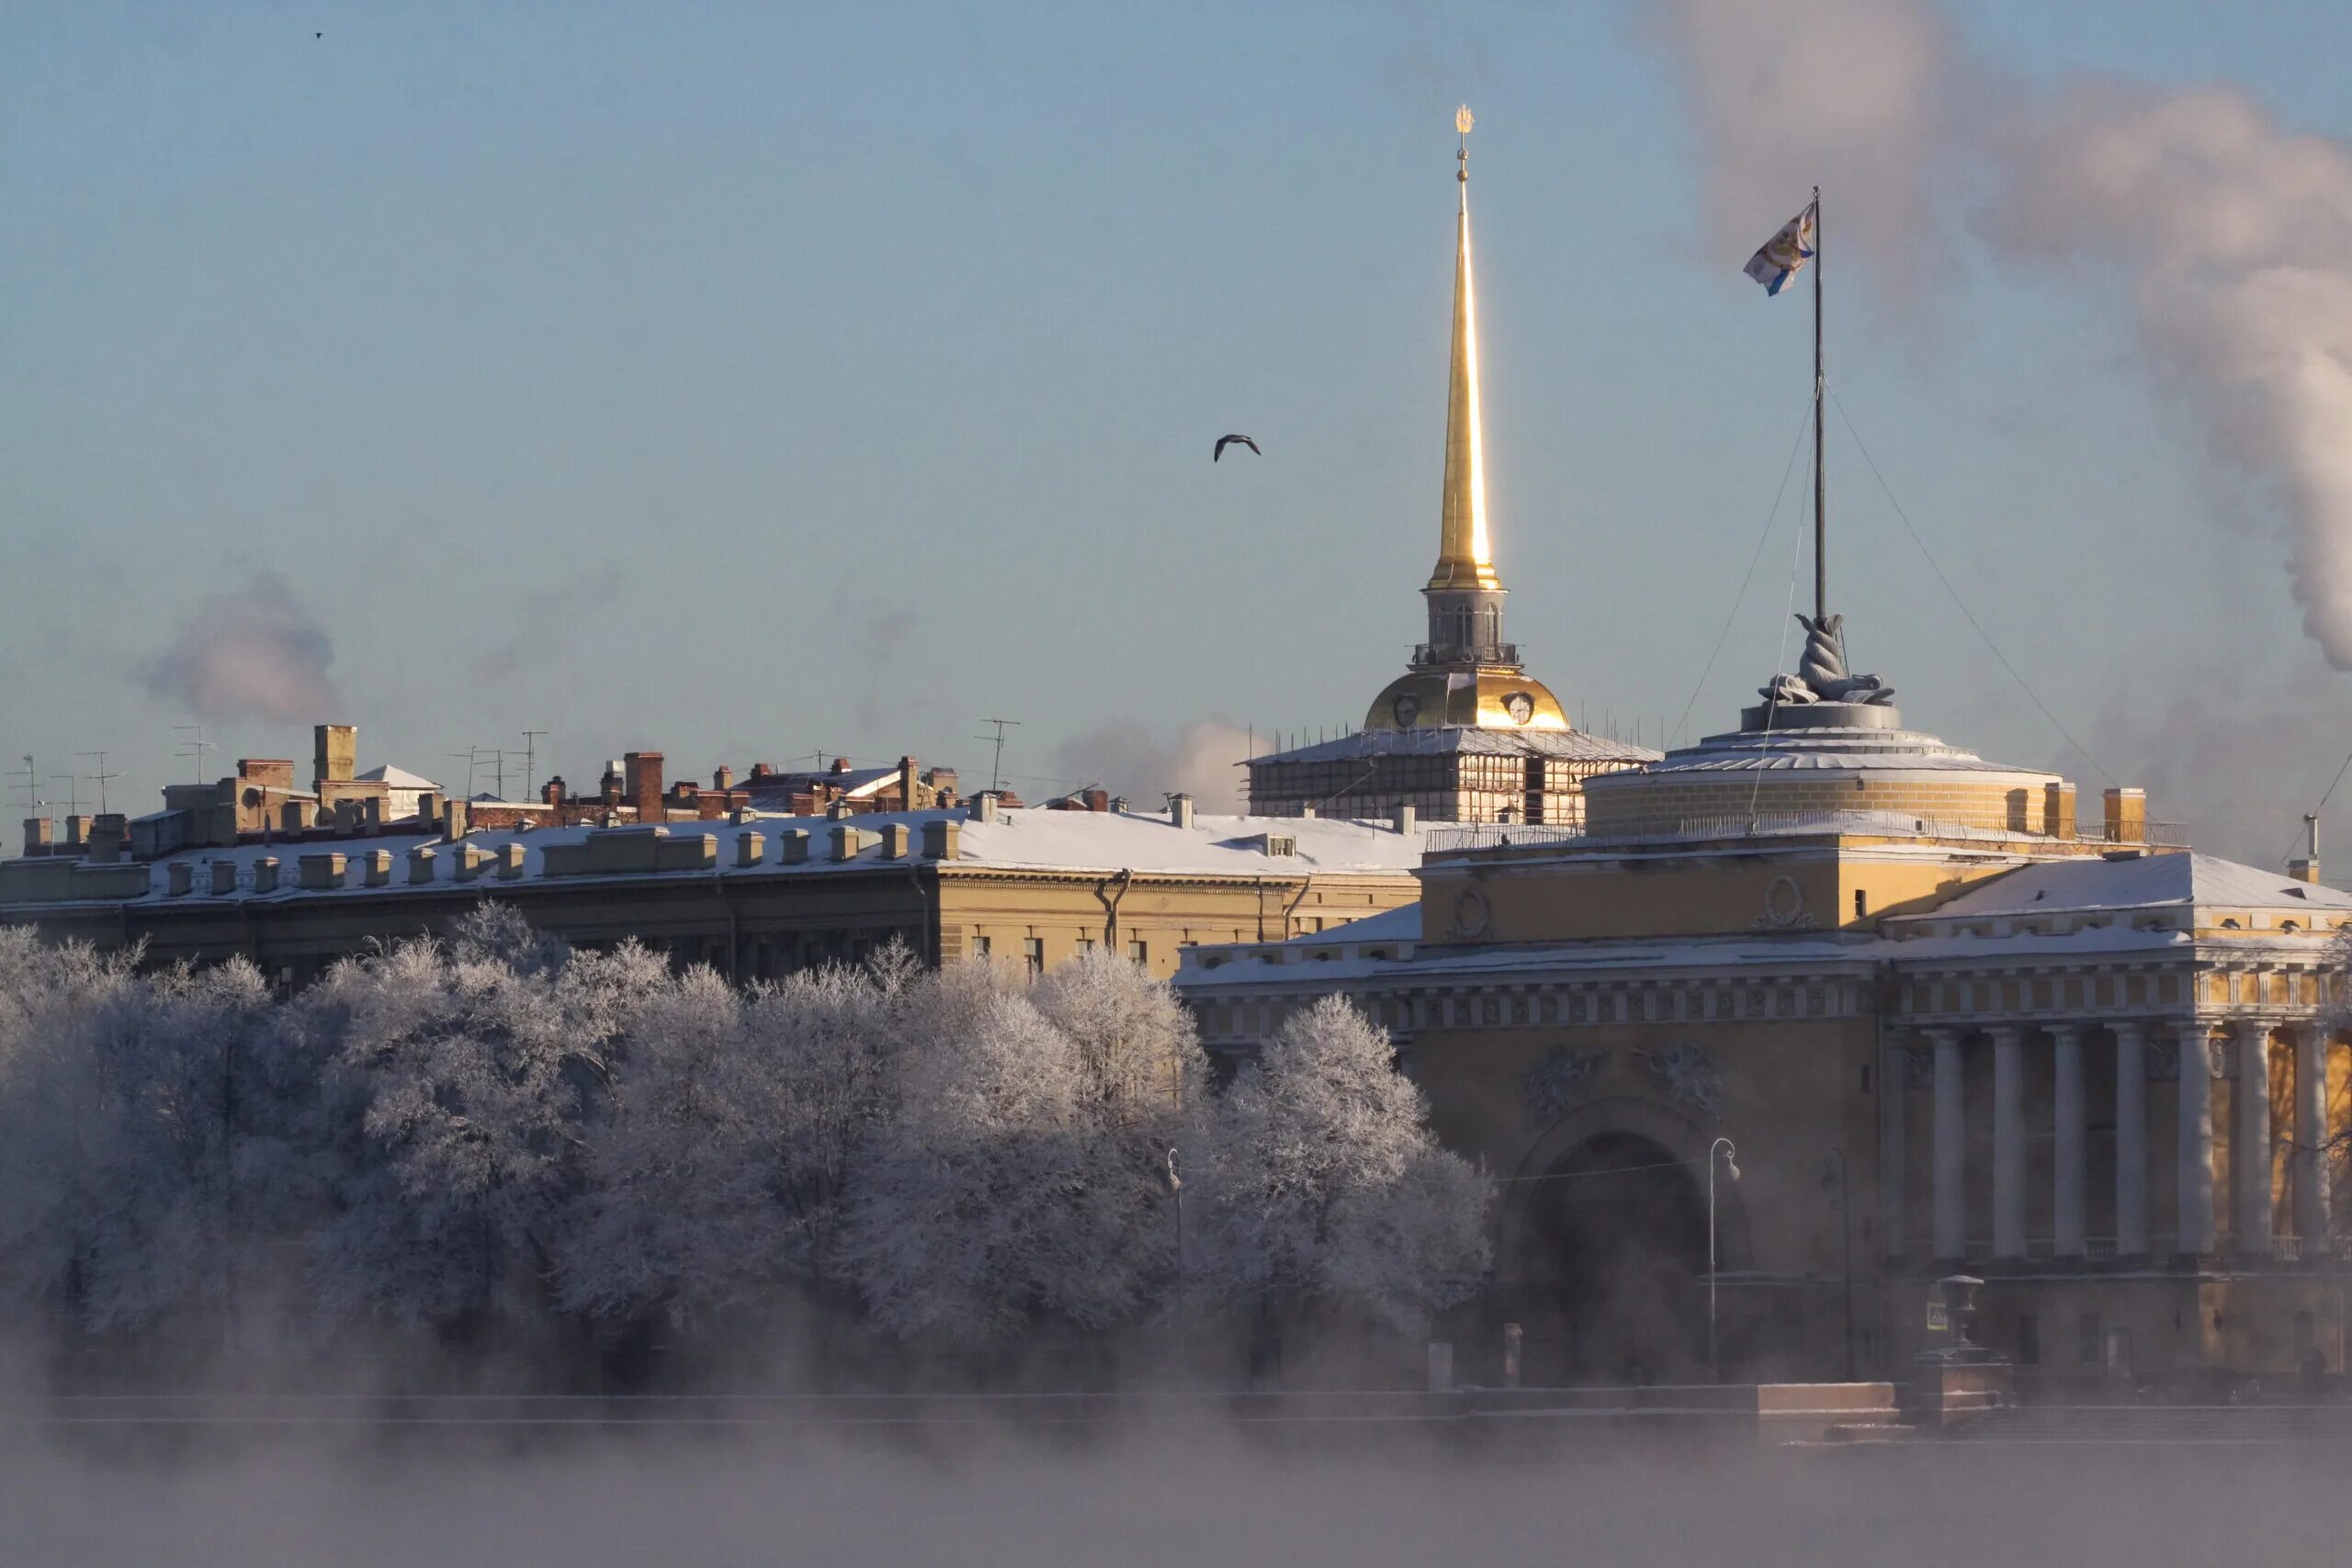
(1138,951)
(2089,1344)
(980,947)
(2029,1340)
(1861,905)
(1033,953)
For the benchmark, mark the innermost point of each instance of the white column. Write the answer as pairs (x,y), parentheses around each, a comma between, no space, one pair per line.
(2069,1164)
(2009,1141)
(2253,1138)
(1952,1202)
(1893,1083)
(2196,1180)
(2131,1140)
(2310,1131)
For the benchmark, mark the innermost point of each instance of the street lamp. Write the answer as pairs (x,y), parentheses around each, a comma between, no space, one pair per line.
(1183,1339)
(1833,1181)
(1731,1164)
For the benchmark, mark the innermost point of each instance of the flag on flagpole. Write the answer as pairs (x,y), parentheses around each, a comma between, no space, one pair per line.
(1784,254)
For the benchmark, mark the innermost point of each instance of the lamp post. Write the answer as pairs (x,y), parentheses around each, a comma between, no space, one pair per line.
(1176,1194)
(1833,1181)
(1731,1164)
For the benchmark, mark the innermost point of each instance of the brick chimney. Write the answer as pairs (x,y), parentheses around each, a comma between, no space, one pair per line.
(552,791)
(907,801)
(39,833)
(644,779)
(1098,800)
(609,788)
(722,778)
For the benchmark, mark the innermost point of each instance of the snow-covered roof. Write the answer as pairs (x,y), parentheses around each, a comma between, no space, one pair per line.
(1572,745)
(853,782)
(397,778)
(1844,751)
(2138,881)
(1102,842)
(2092,887)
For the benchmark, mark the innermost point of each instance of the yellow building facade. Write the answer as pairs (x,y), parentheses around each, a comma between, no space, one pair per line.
(757,896)
(1936,1019)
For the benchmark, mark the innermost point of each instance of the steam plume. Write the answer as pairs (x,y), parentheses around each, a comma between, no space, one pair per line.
(2232,234)
(1125,758)
(251,652)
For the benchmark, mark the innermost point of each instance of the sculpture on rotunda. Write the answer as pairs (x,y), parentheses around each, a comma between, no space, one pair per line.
(1822,675)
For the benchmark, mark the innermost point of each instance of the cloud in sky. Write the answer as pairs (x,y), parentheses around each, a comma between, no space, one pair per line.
(251,652)
(2231,234)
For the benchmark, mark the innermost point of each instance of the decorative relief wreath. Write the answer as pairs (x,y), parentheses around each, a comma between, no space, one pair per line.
(1784,903)
(1472,913)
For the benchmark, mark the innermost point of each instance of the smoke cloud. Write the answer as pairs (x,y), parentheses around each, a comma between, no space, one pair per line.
(1204,761)
(252,653)
(2231,235)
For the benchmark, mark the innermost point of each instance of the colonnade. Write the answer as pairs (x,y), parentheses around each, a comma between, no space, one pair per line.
(2204,1049)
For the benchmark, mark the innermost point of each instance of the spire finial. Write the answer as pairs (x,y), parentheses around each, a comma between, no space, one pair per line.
(1463,557)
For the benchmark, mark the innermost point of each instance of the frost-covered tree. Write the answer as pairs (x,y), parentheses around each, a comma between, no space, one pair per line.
(716,1179)
(59,1007)
(1323,1181)
(153,1168)
(1137,1042)
(467,1074)
(993,1199)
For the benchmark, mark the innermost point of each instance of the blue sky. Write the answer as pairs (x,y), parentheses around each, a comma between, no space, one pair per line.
(747,382)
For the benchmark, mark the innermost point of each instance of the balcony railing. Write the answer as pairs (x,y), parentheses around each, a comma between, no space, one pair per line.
(1427,653)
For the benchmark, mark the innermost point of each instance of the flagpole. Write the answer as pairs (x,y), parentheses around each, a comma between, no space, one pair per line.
(1820,481)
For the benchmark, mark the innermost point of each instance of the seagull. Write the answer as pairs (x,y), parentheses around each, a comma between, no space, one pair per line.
(1224,440)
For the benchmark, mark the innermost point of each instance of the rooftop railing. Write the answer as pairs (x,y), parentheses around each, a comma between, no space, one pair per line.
(1470,837)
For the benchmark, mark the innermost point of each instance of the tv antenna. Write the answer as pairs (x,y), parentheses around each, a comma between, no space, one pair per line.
(73,792)
(472,754)
(531,739)
(196,747)
(101,778)
(31,775)
(996,770)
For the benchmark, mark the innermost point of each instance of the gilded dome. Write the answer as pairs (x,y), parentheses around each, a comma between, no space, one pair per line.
(1481,699)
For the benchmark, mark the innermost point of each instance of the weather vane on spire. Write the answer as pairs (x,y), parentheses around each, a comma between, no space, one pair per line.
(1462,122)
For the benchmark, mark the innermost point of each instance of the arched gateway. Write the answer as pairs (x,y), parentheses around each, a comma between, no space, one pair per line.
(1606,1260)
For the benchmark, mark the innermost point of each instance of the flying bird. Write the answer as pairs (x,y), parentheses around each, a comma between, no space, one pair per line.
(1224,440)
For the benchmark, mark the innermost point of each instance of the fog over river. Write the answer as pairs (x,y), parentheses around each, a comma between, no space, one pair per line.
(1196,1496)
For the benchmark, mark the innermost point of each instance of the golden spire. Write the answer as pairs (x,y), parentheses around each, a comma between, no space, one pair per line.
(1464,558)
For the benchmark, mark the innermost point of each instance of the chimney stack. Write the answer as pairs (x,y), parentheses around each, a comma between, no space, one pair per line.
(722,778)
(552,793)
(2304,867)
(2058,809)
(334,752)
(985,806)
(2127,816)
(1405,819)
(1179,810)
(644,778)
(939,838)
(39,833)
(1098,800)
(907,801)
(110,837)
